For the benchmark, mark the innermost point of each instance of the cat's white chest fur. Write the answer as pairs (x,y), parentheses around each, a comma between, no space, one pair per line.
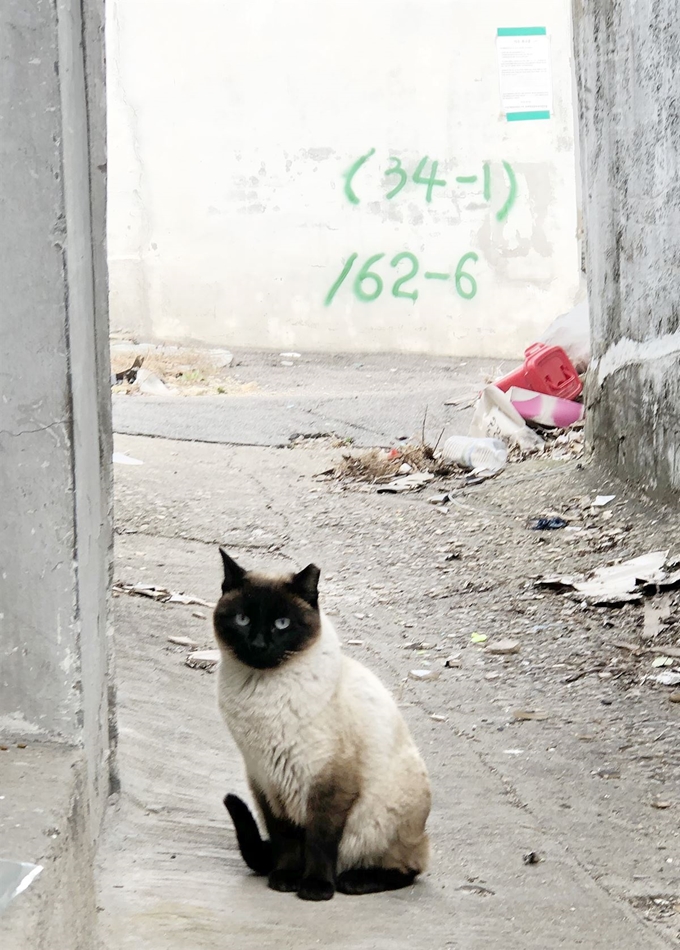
(280,718)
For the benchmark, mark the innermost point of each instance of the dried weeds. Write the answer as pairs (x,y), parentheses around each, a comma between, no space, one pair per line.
(381,465)
(186,372)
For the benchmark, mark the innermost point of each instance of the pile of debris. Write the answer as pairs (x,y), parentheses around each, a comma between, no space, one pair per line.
(148,369)
(537,409)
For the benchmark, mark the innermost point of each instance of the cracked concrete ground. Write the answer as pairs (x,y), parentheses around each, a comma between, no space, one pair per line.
(577,787)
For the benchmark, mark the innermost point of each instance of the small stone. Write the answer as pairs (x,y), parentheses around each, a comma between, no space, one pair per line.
(183,642)
(662,805)
(203,659)
(504,647)
(453,663)
(437,718)
(198,615)
(355,643)
(532,857)
(668,678)
(424,674)
(675,697)
(493,675)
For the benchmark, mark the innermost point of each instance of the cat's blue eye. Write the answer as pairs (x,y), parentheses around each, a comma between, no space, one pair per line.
(282,623)
(242,620)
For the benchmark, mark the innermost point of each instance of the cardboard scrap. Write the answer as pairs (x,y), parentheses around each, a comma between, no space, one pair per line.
(619,583)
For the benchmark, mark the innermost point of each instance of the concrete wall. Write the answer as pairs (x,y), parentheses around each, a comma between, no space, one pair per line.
(630,133)
(231,128)
(55,434)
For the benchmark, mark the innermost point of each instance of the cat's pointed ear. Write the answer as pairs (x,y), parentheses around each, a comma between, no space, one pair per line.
(306,584)
(233,572)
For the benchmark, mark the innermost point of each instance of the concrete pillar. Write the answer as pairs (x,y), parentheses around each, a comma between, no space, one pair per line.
(55,432)
(626,57)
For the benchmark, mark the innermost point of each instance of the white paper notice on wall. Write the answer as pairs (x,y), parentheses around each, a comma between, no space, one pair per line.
(524,72)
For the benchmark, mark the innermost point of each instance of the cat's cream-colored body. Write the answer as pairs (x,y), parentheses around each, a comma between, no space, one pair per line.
(322,712)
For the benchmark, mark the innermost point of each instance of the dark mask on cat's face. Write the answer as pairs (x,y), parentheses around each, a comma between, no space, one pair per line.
(265,621)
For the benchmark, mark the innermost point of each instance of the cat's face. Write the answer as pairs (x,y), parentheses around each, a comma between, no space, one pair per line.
(265,621)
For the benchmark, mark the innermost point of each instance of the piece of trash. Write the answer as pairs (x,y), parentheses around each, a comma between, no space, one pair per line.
(571,331)
(513,751)
(15,877)
(548,524)
(453,663)
(655,612)
(355,643)
(668,678)
(546,369)
(503,647)
(183,642)
(602,500)
(526,715)
(413,482)
(479,454)
(198,614)
(496,417)
(608,773)
(290,356)
(437,718)
(549,411)
(404,469)
(478,637)
(128,375)
(161,594)
(479,475)
(151,384)
(203,659)
(619,583)
(424,674)
(531,857)
(119,458)
(287,363)
(662,661)
(661,805)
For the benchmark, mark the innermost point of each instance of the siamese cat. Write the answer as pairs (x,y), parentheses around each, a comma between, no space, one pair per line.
(336,777)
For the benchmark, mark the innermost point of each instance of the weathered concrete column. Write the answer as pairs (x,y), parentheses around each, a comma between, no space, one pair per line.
(627,70)
(55,433)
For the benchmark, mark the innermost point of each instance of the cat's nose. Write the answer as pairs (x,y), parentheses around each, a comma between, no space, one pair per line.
(258,641)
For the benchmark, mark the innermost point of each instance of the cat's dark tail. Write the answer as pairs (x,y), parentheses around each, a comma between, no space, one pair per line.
(255,852)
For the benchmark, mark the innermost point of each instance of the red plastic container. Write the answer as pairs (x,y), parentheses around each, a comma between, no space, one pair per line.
(546,369)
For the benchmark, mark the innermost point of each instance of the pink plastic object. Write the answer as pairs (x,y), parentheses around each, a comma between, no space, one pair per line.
(546,369)
(546,410)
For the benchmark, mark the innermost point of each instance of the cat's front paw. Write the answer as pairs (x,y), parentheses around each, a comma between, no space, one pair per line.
(314,889)
(284,880)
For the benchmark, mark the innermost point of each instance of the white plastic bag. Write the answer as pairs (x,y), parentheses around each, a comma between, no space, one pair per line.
(496,417)
(571,331)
